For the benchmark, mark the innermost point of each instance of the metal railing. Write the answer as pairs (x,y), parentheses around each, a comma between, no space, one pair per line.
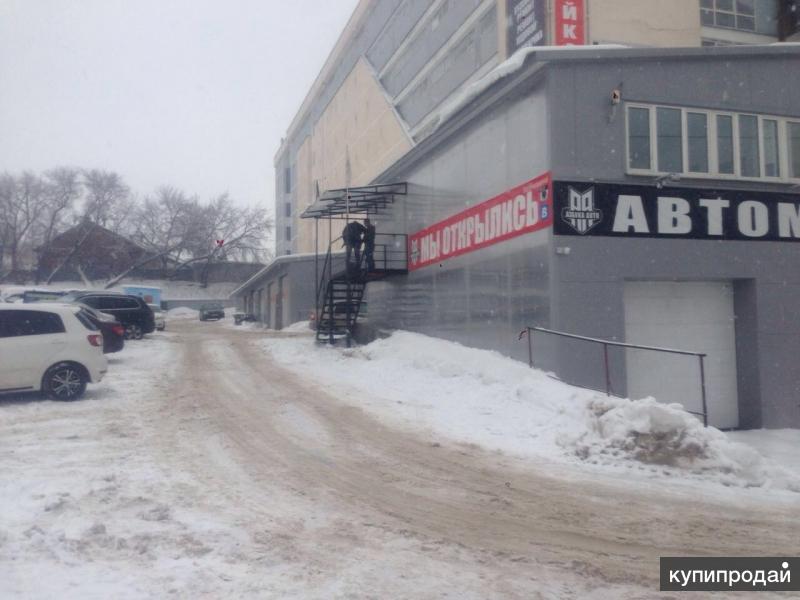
(606,343)
(391,253)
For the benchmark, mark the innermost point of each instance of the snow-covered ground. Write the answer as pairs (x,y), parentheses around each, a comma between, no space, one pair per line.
(146,489)
(481,397)
(91,509)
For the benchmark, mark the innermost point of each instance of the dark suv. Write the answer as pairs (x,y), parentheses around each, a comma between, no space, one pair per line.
(131,311)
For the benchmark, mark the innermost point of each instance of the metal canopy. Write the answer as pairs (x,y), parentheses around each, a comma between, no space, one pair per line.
(366,200)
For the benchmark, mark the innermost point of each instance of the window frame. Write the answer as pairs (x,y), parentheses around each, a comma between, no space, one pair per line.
(784,165)
(733,12)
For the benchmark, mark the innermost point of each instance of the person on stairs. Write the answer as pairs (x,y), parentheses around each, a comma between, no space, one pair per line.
(352,236)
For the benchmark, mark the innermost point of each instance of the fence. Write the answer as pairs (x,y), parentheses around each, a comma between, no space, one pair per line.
(528,331)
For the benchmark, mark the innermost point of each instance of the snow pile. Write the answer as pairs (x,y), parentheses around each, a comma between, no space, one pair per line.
(480,396)
(665,434)
(183,312)
(298,327)
(511,65)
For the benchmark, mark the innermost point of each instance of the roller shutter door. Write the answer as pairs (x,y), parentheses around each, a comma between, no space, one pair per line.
(695,316)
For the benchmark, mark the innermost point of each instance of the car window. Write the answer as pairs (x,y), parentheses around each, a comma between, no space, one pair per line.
(17,323)
(129,303)
(109,303)
(93,301)
(87,319)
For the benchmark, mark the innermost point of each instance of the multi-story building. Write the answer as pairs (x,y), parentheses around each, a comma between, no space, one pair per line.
(398,61)
(625,191)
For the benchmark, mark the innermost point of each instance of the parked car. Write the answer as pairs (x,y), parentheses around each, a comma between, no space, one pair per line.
(158,315)
(212,311)
(54,348)
(131,311)
(113,331)
(31,296)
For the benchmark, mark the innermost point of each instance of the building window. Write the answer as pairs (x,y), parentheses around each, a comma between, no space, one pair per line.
(729,14)
(288,233)
(749,162)
(794,148)
(287,180)
(703,143)
(697,134)
(639,138)
(287,208)
(670,141)
(725,164)
(769,133)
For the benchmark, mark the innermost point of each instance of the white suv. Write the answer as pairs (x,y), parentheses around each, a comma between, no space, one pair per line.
(54,348)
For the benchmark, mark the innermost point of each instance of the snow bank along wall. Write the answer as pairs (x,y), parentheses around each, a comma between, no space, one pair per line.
(705,261)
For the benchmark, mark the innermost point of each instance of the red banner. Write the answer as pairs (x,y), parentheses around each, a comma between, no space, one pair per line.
(523,209)
(570,22)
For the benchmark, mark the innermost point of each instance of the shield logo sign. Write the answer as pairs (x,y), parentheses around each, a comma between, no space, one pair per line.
(581,213)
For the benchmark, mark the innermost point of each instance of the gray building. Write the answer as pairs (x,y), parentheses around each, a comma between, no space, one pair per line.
(639,195)
(281,293)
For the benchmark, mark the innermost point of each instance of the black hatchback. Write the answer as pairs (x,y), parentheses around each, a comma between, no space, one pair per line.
(131,311)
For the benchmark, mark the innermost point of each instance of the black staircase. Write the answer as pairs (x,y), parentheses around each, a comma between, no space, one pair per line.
(341,287)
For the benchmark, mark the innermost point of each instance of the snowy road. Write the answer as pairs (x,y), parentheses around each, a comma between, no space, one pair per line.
(264,485)
(291,435)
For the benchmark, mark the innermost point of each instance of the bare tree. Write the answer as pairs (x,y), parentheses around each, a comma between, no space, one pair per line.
(225,231)
(165,222)
(62,189)
(108,200)
(7,184)
(21,203)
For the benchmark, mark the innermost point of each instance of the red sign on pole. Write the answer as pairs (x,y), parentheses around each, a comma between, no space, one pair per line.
(523,209)
(570,22)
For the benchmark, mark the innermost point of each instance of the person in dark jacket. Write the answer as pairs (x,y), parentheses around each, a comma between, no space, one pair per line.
(352,236)
(369,244)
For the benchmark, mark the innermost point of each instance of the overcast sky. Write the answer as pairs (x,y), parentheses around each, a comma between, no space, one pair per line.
(192,93)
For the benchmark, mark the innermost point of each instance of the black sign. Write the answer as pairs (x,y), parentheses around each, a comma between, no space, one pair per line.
(671,212)
(526,22)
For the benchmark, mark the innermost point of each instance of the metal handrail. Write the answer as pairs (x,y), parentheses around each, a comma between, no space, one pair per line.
(606,343)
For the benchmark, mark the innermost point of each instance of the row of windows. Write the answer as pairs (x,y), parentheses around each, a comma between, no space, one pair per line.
(731,14)
(702,143)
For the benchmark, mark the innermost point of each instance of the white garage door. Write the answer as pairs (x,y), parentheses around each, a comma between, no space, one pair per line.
(696,316)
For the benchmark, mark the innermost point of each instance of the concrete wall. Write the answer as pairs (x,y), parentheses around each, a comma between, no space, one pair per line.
(644,22)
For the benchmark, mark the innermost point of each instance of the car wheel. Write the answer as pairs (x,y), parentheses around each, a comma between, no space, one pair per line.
(133,332)
(64,381)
